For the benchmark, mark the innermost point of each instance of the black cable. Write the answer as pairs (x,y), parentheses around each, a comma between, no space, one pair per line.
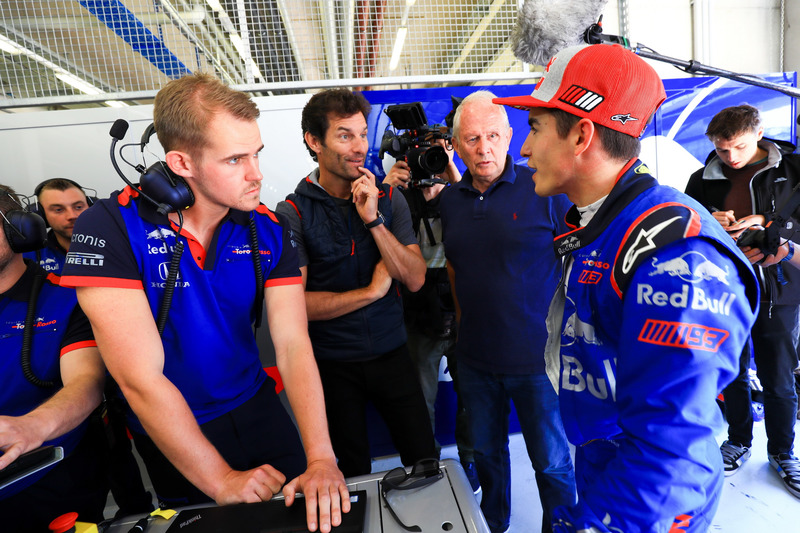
(259,304)
(27,335)
(172,278)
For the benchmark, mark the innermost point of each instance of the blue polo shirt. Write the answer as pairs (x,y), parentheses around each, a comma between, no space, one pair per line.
(210,351)
(500,244)
(59,327)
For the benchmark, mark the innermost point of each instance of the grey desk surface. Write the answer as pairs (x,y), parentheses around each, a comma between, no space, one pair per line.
(445,506)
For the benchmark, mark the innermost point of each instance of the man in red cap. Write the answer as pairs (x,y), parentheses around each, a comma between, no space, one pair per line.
(654,306)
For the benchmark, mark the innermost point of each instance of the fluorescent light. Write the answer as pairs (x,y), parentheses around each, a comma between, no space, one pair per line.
(115,103)
(9,46)
(398,47)
(214,5)
(78,83)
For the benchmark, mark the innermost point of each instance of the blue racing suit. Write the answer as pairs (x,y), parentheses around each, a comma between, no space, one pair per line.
(644,331)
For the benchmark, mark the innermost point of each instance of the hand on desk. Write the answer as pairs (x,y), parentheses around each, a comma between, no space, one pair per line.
(250,486)
(324,487)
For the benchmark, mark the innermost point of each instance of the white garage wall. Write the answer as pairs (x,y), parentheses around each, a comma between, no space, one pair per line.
(75,144)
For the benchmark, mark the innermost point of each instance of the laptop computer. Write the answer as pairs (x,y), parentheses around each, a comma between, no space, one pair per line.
(265,517)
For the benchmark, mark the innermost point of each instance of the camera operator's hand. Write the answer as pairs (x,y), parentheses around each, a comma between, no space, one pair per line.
(451,174)
(757,257)
(399,175)
(365,196)
(737,227)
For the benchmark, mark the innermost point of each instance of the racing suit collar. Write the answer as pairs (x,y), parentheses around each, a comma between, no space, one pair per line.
(633,180)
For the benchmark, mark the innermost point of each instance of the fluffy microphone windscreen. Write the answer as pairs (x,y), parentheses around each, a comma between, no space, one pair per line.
(546,26)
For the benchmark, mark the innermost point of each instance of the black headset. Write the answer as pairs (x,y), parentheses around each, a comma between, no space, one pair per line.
(25,232)
(161,184)
(36,207)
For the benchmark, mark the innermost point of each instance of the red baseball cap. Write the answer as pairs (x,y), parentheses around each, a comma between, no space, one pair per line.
(608,84)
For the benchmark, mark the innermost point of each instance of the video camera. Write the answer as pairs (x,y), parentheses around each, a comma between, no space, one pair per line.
(768,239)
(416,145)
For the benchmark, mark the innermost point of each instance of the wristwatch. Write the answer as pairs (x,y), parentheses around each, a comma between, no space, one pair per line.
(377,222)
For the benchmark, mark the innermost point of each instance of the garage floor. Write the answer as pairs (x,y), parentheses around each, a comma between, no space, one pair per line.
(752,500)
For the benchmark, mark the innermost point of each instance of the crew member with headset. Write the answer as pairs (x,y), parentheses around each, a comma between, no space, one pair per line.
(51,378)
(59,201)
(205,415)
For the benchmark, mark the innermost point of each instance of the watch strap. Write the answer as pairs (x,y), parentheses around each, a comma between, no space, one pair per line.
(377,222)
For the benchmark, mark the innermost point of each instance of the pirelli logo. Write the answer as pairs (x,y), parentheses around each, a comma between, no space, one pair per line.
(581,98)
(682,335)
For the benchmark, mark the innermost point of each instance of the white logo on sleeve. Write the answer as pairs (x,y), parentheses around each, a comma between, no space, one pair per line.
(703,269)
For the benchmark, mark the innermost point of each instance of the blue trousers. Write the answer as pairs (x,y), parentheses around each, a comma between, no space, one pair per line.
(487,398)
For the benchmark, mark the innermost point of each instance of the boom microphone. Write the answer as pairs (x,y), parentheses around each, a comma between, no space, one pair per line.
(119,129)
(117,132)
(546,26)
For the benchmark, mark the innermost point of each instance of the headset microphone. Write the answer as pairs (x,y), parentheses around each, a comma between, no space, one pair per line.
(157,184)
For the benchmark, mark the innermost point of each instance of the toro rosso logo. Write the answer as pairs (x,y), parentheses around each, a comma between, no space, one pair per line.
(704,270)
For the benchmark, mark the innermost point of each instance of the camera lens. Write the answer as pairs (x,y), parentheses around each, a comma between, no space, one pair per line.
(428,159)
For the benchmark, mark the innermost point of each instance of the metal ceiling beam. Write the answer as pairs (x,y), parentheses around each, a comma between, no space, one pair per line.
(194,15)
(50,59)
(219,51)
(329,36)
(124,23)
(283,86)
(289,25)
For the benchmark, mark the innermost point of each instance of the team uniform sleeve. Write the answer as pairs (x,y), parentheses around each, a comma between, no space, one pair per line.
(100,253)
(686,317)
(290,215)
(401,221)
(287,270)
(78,333)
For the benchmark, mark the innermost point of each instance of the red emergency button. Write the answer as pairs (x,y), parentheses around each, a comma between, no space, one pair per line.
(63,523)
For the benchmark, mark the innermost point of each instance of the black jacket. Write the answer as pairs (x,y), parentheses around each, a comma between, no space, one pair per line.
(769,189)
(341,257)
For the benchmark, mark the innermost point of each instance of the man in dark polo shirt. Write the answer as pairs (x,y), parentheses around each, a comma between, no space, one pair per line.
(498,238)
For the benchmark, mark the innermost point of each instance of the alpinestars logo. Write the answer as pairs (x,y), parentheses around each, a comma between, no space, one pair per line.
(582,98)
(644,243)
(623,118)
